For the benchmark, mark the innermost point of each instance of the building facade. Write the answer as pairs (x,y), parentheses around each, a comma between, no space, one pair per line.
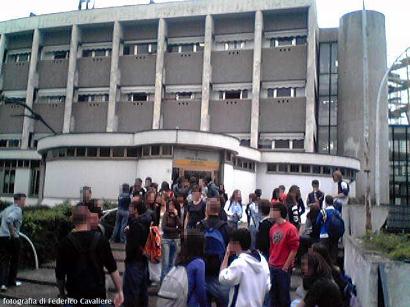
(252,93)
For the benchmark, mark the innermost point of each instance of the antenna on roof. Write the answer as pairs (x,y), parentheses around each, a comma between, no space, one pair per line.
(87,4)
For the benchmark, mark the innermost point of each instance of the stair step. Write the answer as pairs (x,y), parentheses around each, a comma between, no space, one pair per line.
(32,291)
(40,276)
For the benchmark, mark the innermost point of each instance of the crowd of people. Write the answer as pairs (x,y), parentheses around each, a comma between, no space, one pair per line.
(190,241)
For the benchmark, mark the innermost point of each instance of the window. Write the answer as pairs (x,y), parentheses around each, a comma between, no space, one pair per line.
(301,40)
(281,144)
(234,45)
(245,142)
(166,150)
(51,99)
(305,168)
(155,150)
(14,143)
(294,168)
(35,181)
(8,181)
(19,57)
(93,98)
(128,50)
(137,97)
(298,144)
(105,151)
(179,48)
(145,151)
(118,152)
(288,41)
(80,151)
(272,167)
(283,168)
(132,152)
(3,143)
(315,169)
(60,55)
(70,152)
(284,92)
(145,48)
(184,96)
(92,53)
(271,92)
(234,94)
(92,152)
(265,144)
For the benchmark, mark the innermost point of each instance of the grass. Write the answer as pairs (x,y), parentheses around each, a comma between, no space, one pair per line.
(394,246)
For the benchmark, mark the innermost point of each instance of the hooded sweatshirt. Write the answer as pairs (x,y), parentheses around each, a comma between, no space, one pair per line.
(249,279)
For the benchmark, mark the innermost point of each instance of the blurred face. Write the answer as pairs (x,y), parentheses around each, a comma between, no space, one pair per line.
(138,184)
(238,196)
(147,183)
(196,196)
(87,195)
(235,247)
(150,198)
(275,213)
(171,207)
(180,199)
(305,266)
(21,202)
(93,221)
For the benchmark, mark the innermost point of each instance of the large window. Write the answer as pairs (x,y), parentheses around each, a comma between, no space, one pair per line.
(140,48)
(92,53)
(19,57)
(327,102)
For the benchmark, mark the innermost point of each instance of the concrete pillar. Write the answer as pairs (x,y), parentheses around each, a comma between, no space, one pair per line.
(206,73)
(351,97)
(3,46)
(256,78)
(311,80)
(114,77)
(159,73)
(42,179)
(31,86)
(72,66)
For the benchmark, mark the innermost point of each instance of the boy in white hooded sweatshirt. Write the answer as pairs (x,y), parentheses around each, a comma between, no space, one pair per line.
(248,275)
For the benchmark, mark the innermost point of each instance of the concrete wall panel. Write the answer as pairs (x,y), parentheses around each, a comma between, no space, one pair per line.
(90,117)
(102,34)
(140,31)
(134,116)
(53,114)
(8,122)
(158,169)
(137,70)
(15,76)
(60,37)
(230,116)
(53,73)
(183,68)
(285,20)
(100,68)
(184,27)
(22,181)
(232,66)
(234,24)
(20,41)
(182,114)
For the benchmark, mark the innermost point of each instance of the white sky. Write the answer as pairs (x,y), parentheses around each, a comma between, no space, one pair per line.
(397,14)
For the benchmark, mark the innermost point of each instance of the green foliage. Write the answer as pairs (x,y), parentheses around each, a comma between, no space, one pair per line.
(394,246)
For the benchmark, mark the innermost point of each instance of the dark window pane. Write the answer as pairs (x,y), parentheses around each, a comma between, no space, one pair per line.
(82,98)
(323,140)
(87,53)
(244,94)
(324,85)
(233,95)
(145,151)
(284,41)
(166,150)
(80,151)
(294,168)
(326,170)
(245,142)
(272,167)
(282,144)
(100,52)
(132,152)
(153,48)
(104,151)
(139,97)
(70,152)
(298,144)
(271,92)
(283,167)
(3,143)
(324,111)
(305,168)
(142,48)
(284,92)
(187,48)
(127,50)
(301,40)
(118,152)
(155,150)
(315,169)
(334,62)
(324,58)
(60,54)
(14,143)
(91,151)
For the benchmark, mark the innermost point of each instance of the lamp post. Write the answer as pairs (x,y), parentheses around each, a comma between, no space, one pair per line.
(377,124)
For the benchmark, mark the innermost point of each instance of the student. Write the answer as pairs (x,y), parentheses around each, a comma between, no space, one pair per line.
(284,243)
(252,214)
(233,209)
(316,196)
(212,189)
(137,188)
(342,197)
(171,241)
(81,258)
(321,289)
(148,183)
(292,205)
(165,190)
(136,264)
(191,256)
(323,220)
(11,220)
(121,221)
(152,207)
(247,275)
(282,194)
(275,195)
(216,235)
(262,236)
(196,209)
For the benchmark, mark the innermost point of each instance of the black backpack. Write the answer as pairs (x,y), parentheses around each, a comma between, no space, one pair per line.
(87,277)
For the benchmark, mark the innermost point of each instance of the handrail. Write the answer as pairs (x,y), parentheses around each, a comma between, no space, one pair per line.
(32,247)
(106,212)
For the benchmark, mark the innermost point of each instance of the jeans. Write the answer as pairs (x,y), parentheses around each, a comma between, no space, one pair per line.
(216,291)
(121,221)
(280,287)
(135,284)
(253,230)
(170,249)
(9,259)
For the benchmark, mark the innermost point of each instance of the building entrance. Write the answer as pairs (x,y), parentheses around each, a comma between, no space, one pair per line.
(199,169)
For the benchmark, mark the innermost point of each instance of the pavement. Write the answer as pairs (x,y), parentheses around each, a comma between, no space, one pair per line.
(41,284)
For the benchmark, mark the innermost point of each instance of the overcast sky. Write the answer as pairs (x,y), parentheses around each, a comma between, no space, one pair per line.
(397,14)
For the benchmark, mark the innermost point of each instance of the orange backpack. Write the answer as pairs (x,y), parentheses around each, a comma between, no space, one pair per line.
(152,247)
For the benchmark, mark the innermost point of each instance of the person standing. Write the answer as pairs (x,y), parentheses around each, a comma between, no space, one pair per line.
(11,220)
(284,244)
(121,221)
(212,189)
(171,241)
(137,188)
(262,236)
(342,197)
(252,213)
(81,258)
(247,275)
(196,209)
(292,205)
(233,209)
(316,196)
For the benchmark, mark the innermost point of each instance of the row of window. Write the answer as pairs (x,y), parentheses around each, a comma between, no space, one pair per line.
(309,169)
(9,143)
(244,164)
(8,175)
(112,152)
(281,144)
(138,49)
(4,164)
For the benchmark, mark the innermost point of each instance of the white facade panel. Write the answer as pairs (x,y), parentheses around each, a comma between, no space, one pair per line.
(158,169)
(22,181)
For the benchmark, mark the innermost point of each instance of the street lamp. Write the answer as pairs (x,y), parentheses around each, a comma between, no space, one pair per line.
(377,139)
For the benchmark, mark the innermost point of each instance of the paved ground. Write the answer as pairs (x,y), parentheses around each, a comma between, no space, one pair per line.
(38,284)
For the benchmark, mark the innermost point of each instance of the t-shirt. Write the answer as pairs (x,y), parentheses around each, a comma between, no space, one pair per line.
(324,293)
(284,238)
(66,263)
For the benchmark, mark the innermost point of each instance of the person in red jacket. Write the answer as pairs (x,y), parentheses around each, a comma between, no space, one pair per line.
(284,244)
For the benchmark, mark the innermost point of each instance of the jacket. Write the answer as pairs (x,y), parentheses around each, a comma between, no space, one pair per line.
(324,225)
(249,276)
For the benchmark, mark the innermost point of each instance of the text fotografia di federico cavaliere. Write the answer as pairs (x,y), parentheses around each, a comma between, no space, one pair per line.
(57,301)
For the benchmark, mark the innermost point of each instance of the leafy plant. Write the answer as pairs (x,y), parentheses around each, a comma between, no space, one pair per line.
(394,246)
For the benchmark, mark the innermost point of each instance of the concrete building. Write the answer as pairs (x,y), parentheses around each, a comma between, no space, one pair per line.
(250,92)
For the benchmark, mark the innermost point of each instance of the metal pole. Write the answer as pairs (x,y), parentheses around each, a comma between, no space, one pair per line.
(377,125)
(32,247)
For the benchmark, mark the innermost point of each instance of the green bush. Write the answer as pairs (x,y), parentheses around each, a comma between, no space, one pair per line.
(394,246)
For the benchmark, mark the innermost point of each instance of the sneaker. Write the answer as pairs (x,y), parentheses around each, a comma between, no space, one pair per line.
(3,288)
(16,284)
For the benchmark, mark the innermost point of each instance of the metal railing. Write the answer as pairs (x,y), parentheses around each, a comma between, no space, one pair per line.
(32,247)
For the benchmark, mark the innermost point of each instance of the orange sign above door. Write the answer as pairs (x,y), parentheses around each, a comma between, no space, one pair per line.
(197,165)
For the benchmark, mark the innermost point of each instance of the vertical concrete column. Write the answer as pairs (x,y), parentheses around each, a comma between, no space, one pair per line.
(42,179)
(31,85)
(72,66)
(256,79)
(3,46)
(206,73)
(159,73)
(114,77)
(311,76)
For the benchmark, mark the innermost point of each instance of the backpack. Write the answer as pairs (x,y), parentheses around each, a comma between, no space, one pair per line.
(174,288)
(336,228)
(214,241)
(350,292)
(87,277)
(152,247)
